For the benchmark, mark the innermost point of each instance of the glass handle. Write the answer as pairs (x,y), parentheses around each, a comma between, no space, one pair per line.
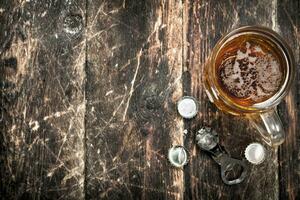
(269,126)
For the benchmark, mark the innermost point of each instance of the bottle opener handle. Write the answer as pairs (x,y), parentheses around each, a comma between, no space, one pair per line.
(227,163)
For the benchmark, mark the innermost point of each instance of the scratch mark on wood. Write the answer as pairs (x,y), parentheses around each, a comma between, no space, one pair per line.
(34,125)
(138,58)
(274,16)
(133,82)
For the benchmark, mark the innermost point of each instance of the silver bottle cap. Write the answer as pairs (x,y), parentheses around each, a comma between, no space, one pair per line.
(178,156)
(207,138)
(255,153)
(187,107)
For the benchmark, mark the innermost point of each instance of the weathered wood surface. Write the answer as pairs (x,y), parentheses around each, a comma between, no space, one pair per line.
(288,15)
(89,91)
(134,59)
(42,100)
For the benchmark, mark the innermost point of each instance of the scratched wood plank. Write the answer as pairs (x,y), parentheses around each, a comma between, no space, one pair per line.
(207,21)
(136,51)
(134,62)
(289,153)
(42,99)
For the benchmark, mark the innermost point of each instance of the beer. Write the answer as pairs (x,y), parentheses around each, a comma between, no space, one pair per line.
(250,69)
(248,73)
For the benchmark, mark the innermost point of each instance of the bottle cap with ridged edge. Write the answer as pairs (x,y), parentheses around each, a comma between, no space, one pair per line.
(255,153)
(187,107)
(178,156)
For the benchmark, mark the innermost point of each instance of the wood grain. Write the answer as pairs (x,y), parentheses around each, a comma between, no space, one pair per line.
(289,152)
(89,91)
(42,102)
(133,80)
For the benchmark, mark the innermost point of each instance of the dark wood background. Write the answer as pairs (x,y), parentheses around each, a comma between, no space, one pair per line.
(89,91)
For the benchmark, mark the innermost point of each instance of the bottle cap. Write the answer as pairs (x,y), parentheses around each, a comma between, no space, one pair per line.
(178,156)
(187,107)
(255,153)
(207,138)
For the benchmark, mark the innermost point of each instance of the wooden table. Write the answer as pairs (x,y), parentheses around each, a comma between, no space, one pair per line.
(89,91)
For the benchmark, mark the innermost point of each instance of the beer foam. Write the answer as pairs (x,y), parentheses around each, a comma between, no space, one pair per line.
(252,74)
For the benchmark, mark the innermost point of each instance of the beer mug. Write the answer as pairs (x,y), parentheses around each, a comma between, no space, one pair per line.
(249,71)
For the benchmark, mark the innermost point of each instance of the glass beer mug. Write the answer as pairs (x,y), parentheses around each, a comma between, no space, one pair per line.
(248,73)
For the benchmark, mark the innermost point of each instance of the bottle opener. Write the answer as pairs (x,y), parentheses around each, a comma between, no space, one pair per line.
(208,140)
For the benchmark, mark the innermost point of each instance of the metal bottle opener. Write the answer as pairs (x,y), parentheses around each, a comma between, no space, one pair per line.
(208,140)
